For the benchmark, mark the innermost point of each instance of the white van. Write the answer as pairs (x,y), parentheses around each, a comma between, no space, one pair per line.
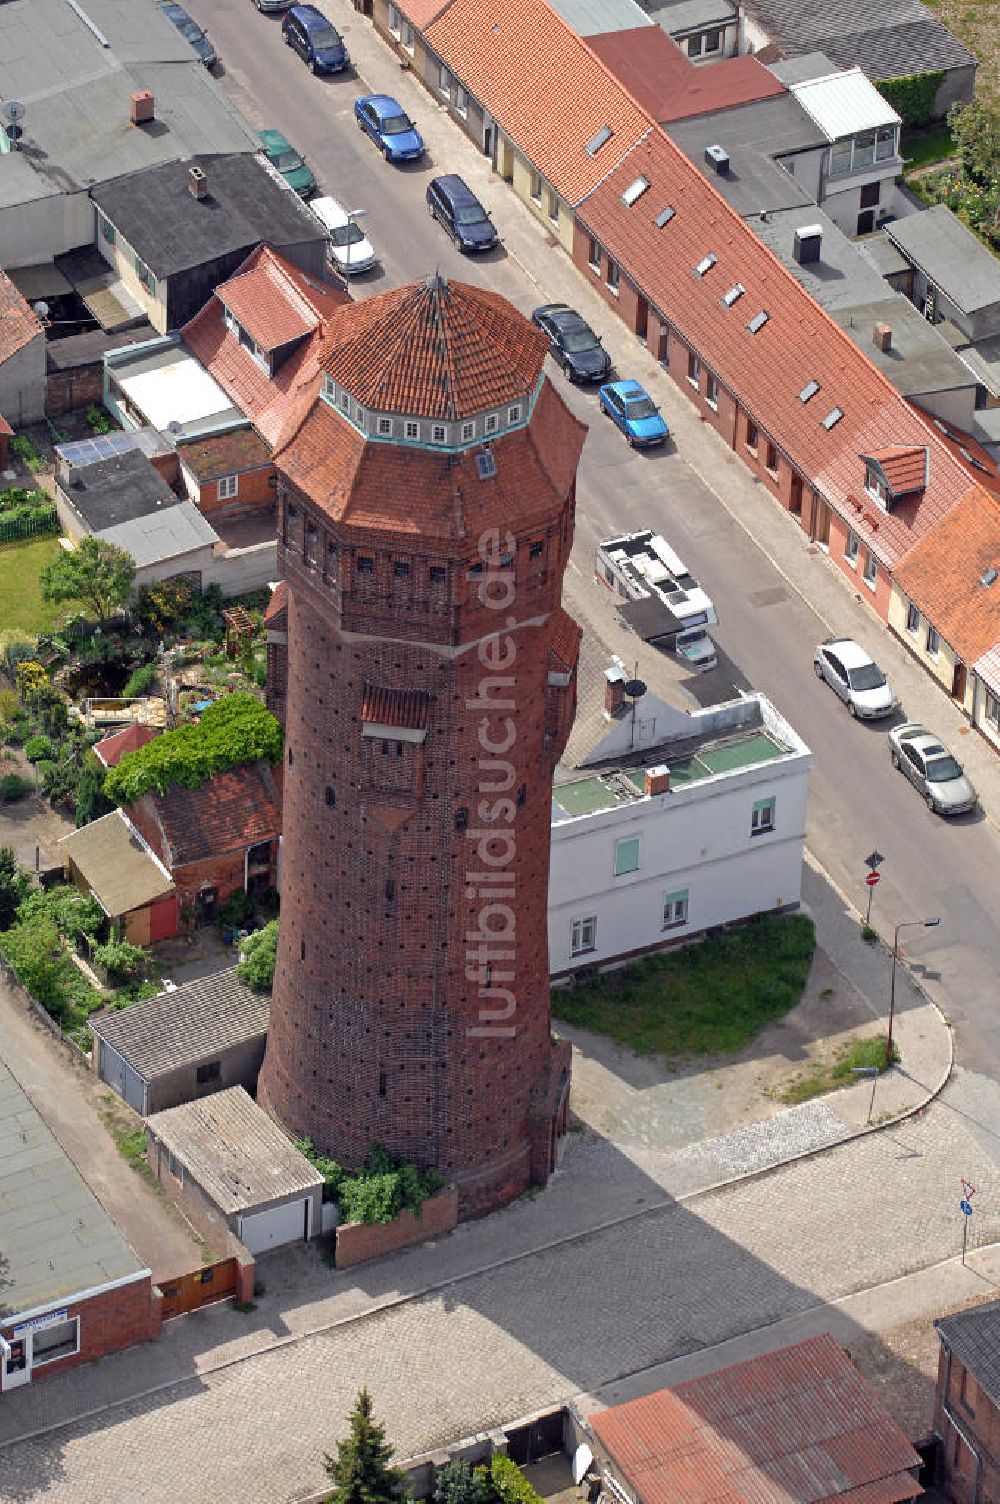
(348,251)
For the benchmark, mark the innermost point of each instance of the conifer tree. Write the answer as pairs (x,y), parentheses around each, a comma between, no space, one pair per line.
(362,1471)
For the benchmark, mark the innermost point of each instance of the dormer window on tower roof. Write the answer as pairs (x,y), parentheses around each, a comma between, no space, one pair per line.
(895,472)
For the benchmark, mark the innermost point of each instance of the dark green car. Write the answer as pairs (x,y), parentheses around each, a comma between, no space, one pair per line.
(282,155)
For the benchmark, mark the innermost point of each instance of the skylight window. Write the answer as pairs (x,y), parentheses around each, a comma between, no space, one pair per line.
(833,417)
(734,294)
(758,321)
(989,576)
(486,465)
(809,390)
(634,191)
(595,143)
(664,217)
(705,264)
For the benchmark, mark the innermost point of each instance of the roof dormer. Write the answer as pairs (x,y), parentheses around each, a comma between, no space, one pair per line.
(891,474)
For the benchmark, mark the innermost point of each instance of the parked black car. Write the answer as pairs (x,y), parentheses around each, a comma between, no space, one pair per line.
(191,32)
(573,343)
(452,202)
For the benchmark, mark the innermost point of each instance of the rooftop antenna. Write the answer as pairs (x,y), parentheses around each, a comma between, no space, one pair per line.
(633,690)
(13,112)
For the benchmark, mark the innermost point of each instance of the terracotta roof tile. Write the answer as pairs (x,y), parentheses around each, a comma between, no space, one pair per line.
(230,811)
(405,708)
(668,85)
(435,348)
(800,1424)
(566,637)
(904,466)
(111,749)
(943,575)
(979,464)
(427,494)
(798,343)
(421,12)
(268,303)
(542,84)
(276,614)
(19,323)
(230,453)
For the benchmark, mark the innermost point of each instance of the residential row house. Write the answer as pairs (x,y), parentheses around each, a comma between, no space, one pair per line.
(864,473)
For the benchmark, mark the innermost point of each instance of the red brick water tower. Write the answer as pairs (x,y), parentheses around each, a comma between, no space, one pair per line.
(427,482)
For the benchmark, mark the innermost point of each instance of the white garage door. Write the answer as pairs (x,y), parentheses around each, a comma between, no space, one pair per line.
(279,1224)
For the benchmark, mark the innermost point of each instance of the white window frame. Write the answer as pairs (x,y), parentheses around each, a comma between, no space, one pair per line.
(412,428)
(406,35)
(468,432)
(492,422)
(871,569)
(624,842)
(535,189)
(461,101)
(675,909)
(695,45)
(439,434)
(385,427)
(345,403)
(514,413)
(444,80)
(912,618)
(716,46)
(227,486)
(991,709)
(694,370)
(614,277)
(41,1362)
(594,256)
(841,158)
(553,210)
(886,135)
(762,816)
(712,393)
(394,21)
(932,641)
(852,544)
(583,936)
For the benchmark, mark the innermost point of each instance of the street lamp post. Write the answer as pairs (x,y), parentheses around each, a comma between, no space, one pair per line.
(927,924)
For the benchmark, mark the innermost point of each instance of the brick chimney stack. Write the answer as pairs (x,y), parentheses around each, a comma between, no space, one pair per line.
(882,337)
(198,182)
(614,691)
(657,780)
(142,107)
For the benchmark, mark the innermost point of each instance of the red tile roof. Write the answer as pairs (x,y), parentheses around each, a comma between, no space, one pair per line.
(540,83)
(111,749)
(421,12)
(405,708)
(268,303)
(276,614)
(768,370)
(943,575)
(434,348)
(264,399)
(668,85)
(19,323)
(904,466)
(232,453)
(5,426)
(232,810)
(979,464)
(800,1424)
(566,637)
(417,492)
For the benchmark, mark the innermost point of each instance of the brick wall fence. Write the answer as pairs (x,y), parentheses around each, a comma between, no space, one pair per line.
(357,1242)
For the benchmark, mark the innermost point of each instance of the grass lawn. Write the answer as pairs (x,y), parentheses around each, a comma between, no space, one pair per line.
(21,603)
(921,148)
(712,996)
(822,1077)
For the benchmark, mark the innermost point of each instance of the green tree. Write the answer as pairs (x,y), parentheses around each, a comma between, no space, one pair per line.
(257,956)
(362,1471)
(95,573)
(976,129)
(13,886)
(91,800)
(456,1485)
(32,948)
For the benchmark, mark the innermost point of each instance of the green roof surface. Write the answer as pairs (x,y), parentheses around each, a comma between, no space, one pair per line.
(588,795)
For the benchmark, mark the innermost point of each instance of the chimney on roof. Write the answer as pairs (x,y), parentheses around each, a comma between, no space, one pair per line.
(882,337)
(808,244)
(718,158)
(142,107)
(614,691)
(657,780)
(198,182)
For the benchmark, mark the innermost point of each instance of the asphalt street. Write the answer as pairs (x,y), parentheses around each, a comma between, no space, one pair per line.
(766,631)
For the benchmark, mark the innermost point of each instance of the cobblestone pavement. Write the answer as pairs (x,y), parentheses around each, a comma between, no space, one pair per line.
(537,1329)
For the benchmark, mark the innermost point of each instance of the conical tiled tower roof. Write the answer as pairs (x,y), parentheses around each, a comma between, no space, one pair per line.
(434,349)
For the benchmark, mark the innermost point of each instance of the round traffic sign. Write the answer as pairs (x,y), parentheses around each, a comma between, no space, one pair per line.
(873,879)
(966,1208)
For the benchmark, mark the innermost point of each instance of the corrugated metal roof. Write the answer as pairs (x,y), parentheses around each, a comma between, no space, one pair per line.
(844,103)
(196,1022)
(233,1150)
(892,39)
(116,864)
(799,1424)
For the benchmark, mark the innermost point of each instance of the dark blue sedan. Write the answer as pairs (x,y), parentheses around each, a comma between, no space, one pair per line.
(630,406)
(384,119)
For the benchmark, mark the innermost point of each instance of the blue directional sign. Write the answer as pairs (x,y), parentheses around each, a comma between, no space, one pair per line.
(966,1208)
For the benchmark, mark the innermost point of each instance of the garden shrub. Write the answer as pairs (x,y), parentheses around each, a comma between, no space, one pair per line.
(99,420)
(32,948)
(384,1188)
(511,1486)
(232,731)
(74,914)
(139,682)
(122,961)
(912,97)
(455,1484)
(38,747)
(257,956)
(331,1171)
(13,787)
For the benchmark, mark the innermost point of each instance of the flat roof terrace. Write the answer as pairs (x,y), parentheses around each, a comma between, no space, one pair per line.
(688,762)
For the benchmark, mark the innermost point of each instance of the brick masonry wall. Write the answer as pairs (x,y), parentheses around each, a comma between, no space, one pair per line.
(374,1015)
(357,1242)
(224,872)
(115,1319)
(71,391)
(973,1431)
(256,493)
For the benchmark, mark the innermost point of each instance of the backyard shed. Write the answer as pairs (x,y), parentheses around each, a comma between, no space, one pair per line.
(196,1039)
(110,860)
(224,1157)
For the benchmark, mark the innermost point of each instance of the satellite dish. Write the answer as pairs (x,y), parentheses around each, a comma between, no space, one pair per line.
(13,111)
(41,308)
(635,689)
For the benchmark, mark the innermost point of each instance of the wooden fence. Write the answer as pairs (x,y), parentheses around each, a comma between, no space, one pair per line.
(189,1292)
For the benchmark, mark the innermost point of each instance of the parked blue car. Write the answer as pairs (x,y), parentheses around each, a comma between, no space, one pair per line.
(389,126)
(630,406)
(307,31)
